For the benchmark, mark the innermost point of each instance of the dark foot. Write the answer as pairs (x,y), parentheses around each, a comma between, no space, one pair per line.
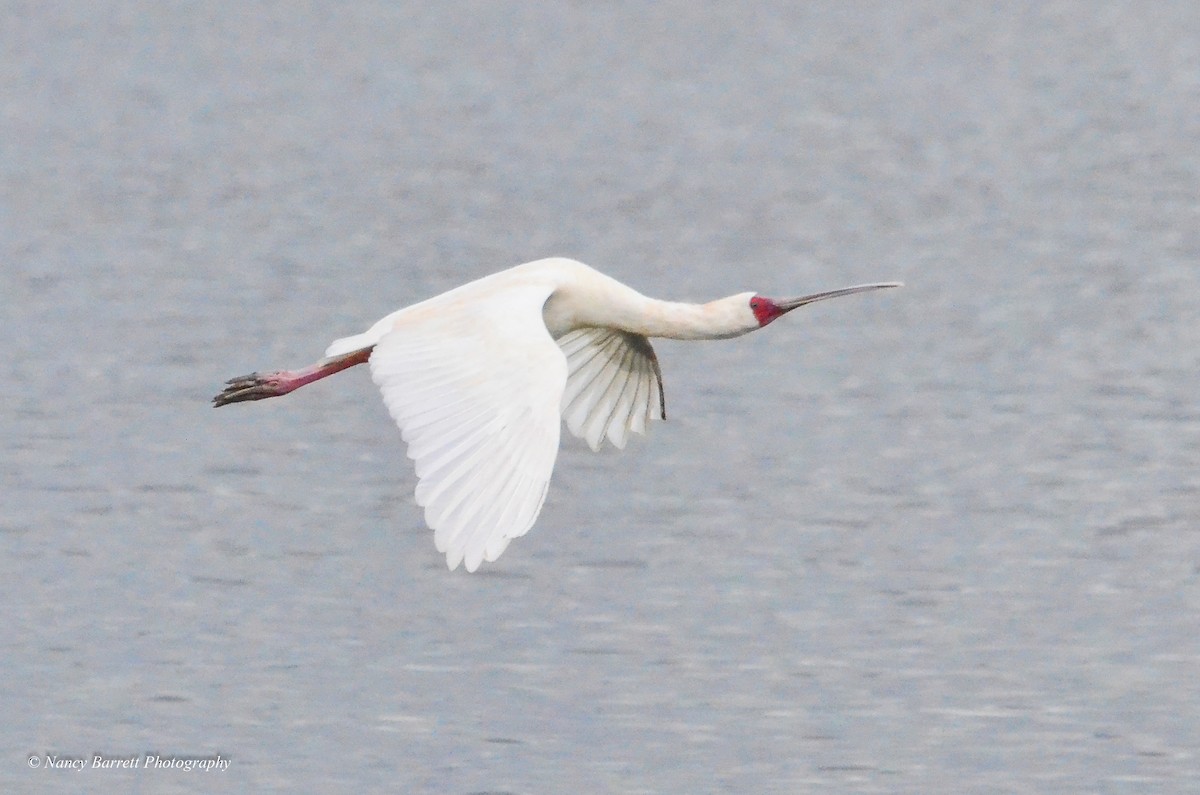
(255,386)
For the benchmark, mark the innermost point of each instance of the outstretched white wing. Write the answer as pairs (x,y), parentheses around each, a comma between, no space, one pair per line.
(614,386)
(475,386)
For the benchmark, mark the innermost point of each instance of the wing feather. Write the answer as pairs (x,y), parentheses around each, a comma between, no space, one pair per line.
(613,387)
(588,367)
(618,421)
(476,387)
(617,373)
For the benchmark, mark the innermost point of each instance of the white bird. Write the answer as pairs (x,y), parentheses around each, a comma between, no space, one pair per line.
(480,378)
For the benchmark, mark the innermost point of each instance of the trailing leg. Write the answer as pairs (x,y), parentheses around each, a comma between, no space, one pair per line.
(258,386)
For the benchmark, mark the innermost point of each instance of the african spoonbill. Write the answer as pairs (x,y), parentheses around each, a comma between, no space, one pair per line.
(480,378)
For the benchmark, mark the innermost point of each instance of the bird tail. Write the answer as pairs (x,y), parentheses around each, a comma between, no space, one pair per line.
(350,344)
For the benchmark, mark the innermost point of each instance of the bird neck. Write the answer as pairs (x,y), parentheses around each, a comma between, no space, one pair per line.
(584,297)
(685,321)
(620,307)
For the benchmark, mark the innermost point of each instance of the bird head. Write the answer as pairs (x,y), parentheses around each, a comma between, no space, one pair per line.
(767,309)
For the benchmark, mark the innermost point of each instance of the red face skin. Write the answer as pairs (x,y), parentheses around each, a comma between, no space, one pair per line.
(765,310)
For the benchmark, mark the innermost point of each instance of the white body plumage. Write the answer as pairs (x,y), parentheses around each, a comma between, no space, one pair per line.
(481,377)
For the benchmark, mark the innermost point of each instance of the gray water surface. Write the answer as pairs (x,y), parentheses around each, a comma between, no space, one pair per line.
(940,539)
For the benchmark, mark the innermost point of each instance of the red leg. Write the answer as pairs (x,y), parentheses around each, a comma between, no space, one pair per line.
(257,386)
